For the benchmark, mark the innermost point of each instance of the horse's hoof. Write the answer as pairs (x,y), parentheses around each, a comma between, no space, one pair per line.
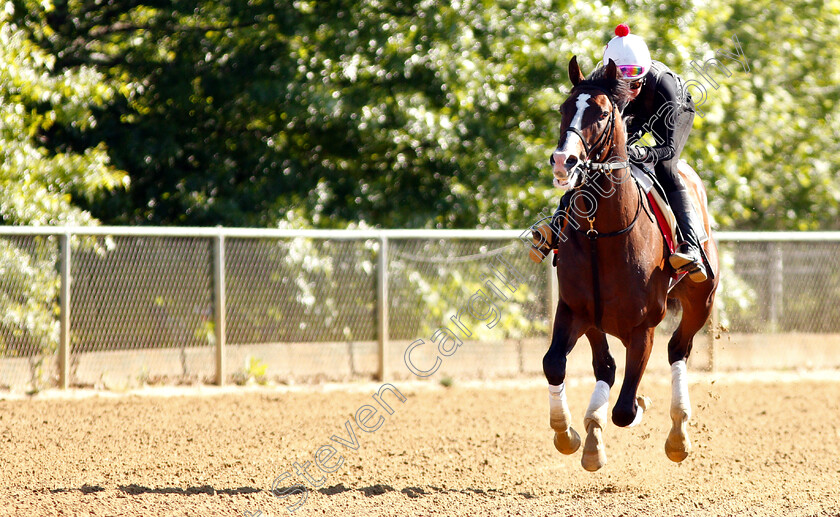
(677,450)
(567,443)
(542,236)
(594,456)
(537,255)
(678,445)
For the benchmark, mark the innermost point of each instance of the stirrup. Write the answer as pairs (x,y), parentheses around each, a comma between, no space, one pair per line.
(690,262)
(684,263)
(696,272)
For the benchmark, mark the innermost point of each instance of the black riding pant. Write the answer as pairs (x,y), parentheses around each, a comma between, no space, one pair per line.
(666,171)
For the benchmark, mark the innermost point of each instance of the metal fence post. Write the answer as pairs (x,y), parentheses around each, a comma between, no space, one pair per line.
(776,284)
(219,304)
(64,302)
(382,308)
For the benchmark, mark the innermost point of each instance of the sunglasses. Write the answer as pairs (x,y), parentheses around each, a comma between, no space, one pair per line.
(631,70)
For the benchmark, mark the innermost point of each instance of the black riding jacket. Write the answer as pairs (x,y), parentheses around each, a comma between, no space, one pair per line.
(663,96)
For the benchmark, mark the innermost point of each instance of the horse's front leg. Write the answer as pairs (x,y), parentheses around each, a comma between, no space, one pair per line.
(594,452)
(629,408)
(563,339)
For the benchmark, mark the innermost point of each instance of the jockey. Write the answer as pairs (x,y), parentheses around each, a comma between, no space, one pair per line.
(660,105)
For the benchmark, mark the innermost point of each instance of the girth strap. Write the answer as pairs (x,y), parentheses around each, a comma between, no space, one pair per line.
(596,286)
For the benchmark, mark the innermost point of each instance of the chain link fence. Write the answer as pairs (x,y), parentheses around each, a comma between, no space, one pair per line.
(122,307)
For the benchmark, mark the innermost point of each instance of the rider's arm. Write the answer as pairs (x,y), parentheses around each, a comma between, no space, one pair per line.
(634,130)
(661,123)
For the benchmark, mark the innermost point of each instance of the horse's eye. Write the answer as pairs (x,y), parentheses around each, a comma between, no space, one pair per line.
(604,114)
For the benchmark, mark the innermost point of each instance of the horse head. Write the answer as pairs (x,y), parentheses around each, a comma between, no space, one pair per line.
(591,129)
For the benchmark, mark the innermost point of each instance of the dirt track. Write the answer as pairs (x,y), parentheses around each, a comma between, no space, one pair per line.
(763,448)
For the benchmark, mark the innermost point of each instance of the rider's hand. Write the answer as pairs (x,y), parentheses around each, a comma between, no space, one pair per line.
(637,154)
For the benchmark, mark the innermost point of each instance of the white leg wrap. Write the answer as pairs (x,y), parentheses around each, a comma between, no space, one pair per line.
(559,408)
(680,403)
(597,411)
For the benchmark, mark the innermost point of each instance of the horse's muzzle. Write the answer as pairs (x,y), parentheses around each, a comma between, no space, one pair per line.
(565,170)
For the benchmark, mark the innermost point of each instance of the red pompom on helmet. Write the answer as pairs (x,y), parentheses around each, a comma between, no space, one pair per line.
(622,30)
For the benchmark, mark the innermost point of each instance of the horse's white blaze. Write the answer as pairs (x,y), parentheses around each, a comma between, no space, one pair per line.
(580,107)
(596,413)
(581,104)
(571,146)
(680,404)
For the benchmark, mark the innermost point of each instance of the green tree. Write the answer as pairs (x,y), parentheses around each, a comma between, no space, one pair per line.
(422,114)
(40,184)
(390,113)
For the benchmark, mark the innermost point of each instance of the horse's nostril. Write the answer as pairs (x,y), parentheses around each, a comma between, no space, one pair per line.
(571,161)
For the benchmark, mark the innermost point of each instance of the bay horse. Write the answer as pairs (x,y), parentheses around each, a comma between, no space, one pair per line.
(613,273)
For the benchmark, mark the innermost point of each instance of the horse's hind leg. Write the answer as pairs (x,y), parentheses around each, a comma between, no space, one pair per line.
(563,339)
(695,313)
(594,452)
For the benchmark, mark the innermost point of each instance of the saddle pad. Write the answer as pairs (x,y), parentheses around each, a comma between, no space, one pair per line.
(665,216)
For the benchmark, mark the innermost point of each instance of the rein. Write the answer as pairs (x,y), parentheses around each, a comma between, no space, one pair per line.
(592,234)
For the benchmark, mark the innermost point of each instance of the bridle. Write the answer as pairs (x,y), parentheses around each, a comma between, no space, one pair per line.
(588,163)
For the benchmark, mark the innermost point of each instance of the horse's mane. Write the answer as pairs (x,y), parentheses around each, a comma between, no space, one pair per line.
(619,88)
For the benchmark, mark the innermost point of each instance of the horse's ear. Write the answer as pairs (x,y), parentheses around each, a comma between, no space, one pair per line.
(575,75)
(611,71)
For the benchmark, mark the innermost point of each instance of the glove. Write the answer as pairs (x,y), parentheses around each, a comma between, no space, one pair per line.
(637,154)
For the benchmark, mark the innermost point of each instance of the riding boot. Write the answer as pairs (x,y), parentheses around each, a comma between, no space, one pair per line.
(687,256)
(545,236)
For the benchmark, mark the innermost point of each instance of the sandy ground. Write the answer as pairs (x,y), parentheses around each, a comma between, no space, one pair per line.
(763,446)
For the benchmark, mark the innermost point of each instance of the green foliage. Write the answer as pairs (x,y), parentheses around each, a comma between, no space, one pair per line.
(381,113)
(391,113)
(254,371)
(41,184)
(404,114)
(38,184)
(769,145)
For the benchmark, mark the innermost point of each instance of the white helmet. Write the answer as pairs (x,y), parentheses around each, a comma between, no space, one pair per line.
(629,52)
